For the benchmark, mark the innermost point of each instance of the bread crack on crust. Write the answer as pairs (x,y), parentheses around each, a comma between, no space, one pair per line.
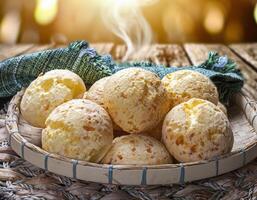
(78,129)
(196,130)
(47,92)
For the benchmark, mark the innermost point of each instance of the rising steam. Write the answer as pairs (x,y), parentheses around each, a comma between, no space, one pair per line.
(125,19)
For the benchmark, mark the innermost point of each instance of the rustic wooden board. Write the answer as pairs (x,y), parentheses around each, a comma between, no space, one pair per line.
(7,51)
(166,54)
(248,52)
(103,48)
(199,52)
(36,48)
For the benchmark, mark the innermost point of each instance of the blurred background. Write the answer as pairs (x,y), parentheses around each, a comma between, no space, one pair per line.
(171,21)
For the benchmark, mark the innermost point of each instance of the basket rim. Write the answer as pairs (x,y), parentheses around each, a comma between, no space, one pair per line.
(12,120)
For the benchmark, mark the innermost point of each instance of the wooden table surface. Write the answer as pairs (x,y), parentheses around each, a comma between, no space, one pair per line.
(21,180)
(245,55)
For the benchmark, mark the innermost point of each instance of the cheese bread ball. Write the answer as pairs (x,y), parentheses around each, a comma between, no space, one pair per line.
(78,129)
(183,85)
(96,94)
(136,99)
(155,132)
(197,130)
(47,92)
(222,108)
(96,91)
(136,149)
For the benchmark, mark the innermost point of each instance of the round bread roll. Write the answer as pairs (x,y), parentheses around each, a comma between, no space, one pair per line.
(78,129)
(155,132)
(137,150)
(136,99)
(47,92)
(183,85)
(196,130)
(222,108)
(96,91)
(96,94)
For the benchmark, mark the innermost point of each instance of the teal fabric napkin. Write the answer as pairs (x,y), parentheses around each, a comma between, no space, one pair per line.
(79,57)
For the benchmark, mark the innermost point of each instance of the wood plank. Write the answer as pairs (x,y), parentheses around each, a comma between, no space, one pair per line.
(166,54)
(119,52)
(248,52)
(103,48)
(36,48)
(199,52)
(7,51)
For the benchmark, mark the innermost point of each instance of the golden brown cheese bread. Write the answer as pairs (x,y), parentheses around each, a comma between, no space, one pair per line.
(222,108)
(137,150)
(47,92)
(183,85)
(196,130)
(136,99)
(96,91)
(96,94)
(155,132)
(78,129)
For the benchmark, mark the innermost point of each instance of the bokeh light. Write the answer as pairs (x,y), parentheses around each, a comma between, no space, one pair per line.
(177,24)
(9,27)
(255,13)
(214,19)
(45,11)
(171,21)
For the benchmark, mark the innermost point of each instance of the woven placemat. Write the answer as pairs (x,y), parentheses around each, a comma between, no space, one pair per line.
(21,180)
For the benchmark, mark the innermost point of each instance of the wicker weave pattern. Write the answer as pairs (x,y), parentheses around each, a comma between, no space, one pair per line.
(22,180)
(243,152)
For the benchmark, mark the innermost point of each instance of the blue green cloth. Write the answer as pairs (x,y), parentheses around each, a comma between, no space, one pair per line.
(79,57)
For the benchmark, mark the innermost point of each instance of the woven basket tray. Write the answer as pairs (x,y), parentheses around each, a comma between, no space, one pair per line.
(243,118)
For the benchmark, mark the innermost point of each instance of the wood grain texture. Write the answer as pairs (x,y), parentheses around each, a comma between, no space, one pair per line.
(103,48)
(199,52)
(166,54)
(36,48)
(248,52)
(7,51)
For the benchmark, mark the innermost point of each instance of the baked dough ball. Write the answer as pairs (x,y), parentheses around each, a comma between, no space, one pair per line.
(96,94)
(78,129)
(183,85)
(47,92)
(197,130)
(137,150)
(155,132)
(222,108)
(96,91)
(136,99)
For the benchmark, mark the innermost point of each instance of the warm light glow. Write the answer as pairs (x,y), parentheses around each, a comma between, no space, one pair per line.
(130,3)
(45,11)
(255,13)
(9,27)
(125,19)
(177,23)
(214,20)
(124,2)
(234,32)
